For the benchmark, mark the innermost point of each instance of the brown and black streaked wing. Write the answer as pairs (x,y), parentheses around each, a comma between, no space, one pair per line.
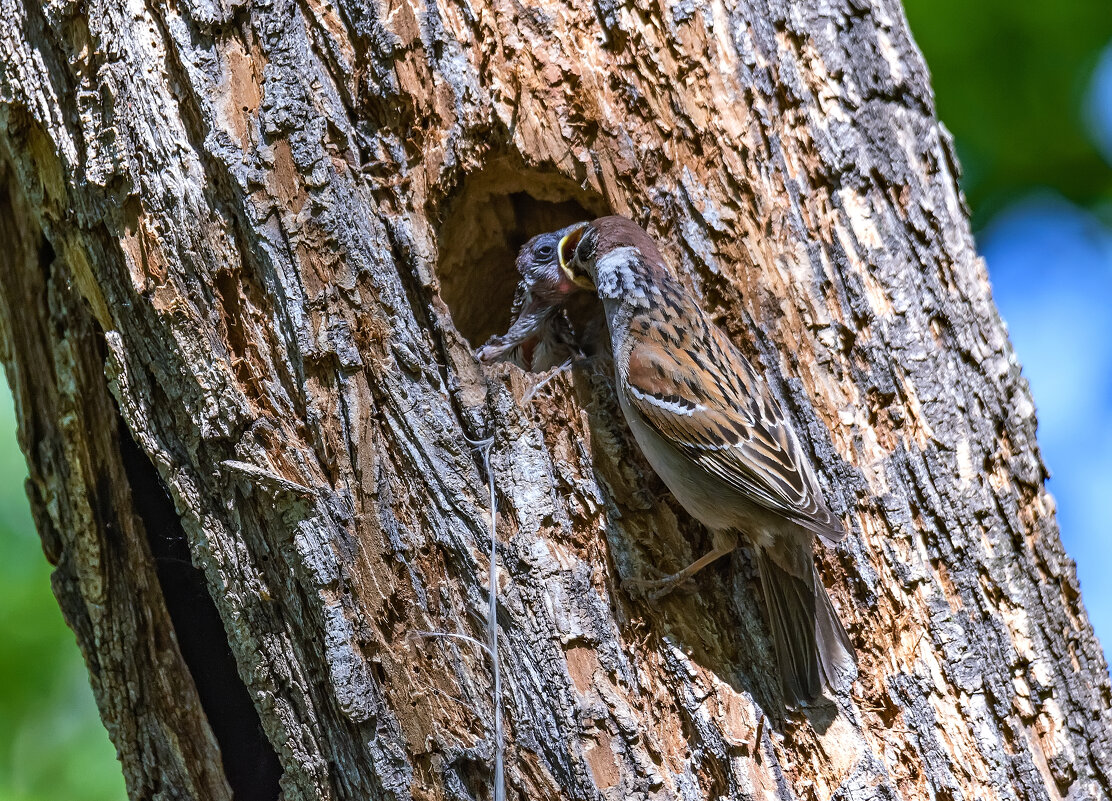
(704,397)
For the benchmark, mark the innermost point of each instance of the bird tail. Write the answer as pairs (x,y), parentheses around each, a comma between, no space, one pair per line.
(812,648)
(837,660)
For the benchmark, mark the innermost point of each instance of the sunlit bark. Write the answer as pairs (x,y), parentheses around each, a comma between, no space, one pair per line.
(250,248)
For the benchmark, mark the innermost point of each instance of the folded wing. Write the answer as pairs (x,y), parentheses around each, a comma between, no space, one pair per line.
(729,425)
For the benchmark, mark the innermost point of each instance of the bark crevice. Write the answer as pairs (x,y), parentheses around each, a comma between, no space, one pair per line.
(249,761)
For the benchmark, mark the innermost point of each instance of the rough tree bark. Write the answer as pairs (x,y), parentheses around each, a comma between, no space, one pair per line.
(248,251)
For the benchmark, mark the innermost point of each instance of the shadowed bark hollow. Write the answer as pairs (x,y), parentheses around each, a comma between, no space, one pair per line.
(249,249)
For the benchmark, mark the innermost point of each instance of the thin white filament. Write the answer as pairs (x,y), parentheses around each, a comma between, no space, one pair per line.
(484,447)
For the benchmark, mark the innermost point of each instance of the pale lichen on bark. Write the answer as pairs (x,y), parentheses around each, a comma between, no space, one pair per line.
(251,248)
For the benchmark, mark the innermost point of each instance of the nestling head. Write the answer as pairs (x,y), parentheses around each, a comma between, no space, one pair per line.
(539,266)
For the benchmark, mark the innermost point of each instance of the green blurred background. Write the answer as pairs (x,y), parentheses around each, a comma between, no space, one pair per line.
(1014,82)
(52,744)
(1027,93)
(1026,89)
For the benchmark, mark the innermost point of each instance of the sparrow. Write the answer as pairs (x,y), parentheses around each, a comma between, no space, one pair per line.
(709,426)
(540,336)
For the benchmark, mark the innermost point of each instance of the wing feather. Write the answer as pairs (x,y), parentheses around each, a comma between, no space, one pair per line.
(709,402)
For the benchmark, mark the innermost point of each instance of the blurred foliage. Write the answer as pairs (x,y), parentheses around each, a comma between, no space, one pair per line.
(52,744)
(1010,80)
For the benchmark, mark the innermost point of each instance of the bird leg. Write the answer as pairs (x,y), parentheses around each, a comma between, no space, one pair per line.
(724,542)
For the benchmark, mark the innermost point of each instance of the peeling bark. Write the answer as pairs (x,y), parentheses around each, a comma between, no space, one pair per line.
(249,251)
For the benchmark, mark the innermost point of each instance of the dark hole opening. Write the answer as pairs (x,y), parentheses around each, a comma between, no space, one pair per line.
(496,212)
(250,762)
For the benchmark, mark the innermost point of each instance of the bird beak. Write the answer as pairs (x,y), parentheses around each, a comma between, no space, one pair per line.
(566,254)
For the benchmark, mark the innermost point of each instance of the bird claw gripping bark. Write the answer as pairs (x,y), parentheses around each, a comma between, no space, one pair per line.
(655,589)
(533,390)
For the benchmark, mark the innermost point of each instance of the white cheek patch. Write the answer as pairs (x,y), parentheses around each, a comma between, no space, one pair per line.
(618,256)
(612,274)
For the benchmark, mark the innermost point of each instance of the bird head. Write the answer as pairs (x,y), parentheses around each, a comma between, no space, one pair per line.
(539,266)
(540,336)
(583,247)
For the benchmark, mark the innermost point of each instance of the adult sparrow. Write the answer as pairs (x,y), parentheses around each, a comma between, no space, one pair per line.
(709,426)
(540,336)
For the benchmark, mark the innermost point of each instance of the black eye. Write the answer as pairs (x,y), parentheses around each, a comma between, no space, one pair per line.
(546,251)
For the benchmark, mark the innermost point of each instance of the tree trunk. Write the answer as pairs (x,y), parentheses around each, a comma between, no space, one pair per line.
(250,250)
